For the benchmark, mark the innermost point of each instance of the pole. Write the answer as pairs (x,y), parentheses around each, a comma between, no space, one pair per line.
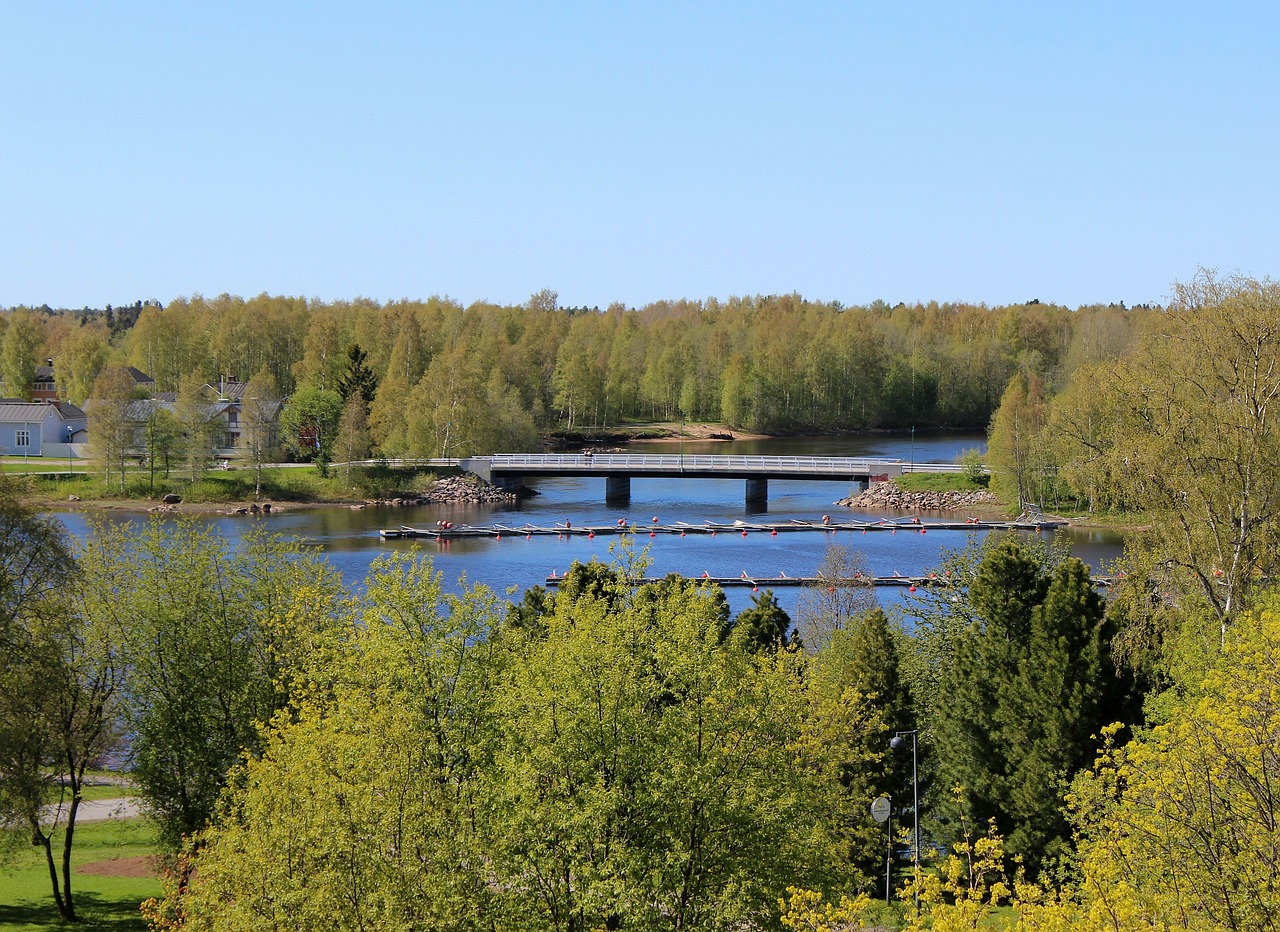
(915,797)
(913,448)
(888,861)
(915,808)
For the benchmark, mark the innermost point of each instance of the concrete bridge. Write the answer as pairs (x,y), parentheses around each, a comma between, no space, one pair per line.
(618,469)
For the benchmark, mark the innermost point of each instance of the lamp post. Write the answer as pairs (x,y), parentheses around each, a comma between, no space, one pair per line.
(898,741)
(913,448)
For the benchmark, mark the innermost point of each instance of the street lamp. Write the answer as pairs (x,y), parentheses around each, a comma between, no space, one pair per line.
(898,741)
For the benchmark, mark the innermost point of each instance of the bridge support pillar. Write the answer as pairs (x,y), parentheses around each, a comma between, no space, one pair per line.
(617,490)
(508,483)
(757,491)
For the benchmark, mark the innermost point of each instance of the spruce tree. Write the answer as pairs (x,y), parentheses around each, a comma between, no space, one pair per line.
(1028,686)
(359,378)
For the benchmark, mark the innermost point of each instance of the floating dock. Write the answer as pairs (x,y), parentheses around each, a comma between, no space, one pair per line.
(776,582)
(448,531)
(817,582)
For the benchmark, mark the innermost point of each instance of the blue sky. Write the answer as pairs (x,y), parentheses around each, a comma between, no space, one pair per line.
(986,152)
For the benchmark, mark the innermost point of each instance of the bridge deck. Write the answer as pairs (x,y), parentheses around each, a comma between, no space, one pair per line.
(639,465)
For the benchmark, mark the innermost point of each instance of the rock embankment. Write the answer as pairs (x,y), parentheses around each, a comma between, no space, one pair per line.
(887,495)
(468,490)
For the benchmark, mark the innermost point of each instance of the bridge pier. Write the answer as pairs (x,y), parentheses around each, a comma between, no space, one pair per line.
(509,483)
(617,490)
(757,491)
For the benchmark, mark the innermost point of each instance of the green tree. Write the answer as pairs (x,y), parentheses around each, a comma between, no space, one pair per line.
(765,625)
(612,767)
(1027,686)
(352,444)
(259,424)
(860,662)
(82,355)
(60,679)
(1178,826)
(194,415)
(110,423)
(1196,445)
(309,424)
(20,353)
(212,639)
(162,437)
(358,378)
(1015,451)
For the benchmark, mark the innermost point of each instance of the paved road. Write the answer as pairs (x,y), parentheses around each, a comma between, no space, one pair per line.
(98,810)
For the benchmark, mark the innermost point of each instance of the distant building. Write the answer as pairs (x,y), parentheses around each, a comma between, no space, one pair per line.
(45,385)
(39,428)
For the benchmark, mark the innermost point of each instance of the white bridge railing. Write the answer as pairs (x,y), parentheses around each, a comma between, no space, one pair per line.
(638,463)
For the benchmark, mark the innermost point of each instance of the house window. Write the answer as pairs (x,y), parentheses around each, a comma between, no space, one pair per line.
(22,437)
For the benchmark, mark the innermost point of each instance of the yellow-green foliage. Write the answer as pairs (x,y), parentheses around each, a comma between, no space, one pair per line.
(1181,827)
(620,760)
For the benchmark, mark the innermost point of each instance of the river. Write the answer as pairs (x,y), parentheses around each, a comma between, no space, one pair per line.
(350,539)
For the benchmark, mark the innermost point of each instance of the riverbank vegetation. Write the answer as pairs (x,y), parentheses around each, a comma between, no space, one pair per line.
(278,484)
(454,381)
(610,756)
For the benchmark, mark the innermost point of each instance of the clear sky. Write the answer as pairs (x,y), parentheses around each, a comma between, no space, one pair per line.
(1075,152)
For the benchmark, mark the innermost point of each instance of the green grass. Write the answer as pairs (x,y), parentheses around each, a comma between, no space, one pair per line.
(19,464)
(104,904)
(938,482)
(279,484)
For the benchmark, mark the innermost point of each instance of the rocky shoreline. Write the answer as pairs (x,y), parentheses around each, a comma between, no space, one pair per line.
(887,496)
(453,490)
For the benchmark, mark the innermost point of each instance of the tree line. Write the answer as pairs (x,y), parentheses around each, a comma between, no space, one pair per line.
(454,380)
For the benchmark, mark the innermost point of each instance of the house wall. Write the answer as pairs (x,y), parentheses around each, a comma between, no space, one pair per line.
(9,439)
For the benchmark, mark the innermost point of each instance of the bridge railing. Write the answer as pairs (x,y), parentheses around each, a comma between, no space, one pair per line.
(643,462)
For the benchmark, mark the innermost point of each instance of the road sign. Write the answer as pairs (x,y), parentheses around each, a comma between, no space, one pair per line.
(880,809)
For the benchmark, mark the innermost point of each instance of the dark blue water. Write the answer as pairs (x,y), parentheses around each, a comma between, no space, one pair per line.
(350,538)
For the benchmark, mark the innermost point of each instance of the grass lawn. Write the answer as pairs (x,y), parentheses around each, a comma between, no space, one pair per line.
(105,903)
(19,464)
(938,482)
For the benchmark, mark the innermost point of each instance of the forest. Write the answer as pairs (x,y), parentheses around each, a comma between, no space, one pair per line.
(618,757)
(453,381)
